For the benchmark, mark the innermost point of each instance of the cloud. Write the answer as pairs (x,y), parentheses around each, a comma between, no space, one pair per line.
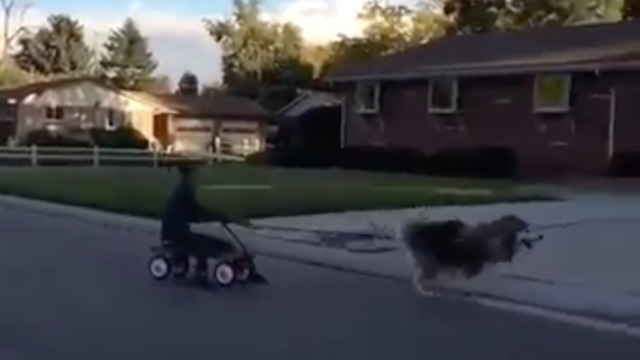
(322,20)
(181,43)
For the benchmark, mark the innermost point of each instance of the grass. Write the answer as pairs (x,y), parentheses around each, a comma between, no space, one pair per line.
(253,191)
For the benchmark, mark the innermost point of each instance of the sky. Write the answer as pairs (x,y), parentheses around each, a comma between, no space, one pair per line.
(175,28)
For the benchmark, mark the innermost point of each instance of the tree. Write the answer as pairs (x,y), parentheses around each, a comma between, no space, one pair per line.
(397,27)
(388,29)
(213,89)
(128,62)
(477,16)
(525,14)
(160,85)
(631,9)
(474,16)
(245,41)
(189,84)
(259,54)
(12,75)
(58,48)
(316,56)
(10,10)
(595,10)
(349,51)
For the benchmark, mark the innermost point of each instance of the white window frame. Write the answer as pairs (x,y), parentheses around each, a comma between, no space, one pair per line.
(360,106)
(454,101)
(565,107)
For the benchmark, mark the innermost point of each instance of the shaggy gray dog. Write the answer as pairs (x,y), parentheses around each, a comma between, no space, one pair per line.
(454,246)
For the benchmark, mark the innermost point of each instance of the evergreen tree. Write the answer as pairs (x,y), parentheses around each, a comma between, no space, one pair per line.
(58,48)
(189,84)
(128,62)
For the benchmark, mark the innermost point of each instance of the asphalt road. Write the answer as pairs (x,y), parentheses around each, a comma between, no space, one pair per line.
(72,290)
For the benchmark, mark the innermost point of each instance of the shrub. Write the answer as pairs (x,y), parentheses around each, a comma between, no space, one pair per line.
(124,137)
(487,162)
(261,158)
(44,137)
(625,164)
(382,159)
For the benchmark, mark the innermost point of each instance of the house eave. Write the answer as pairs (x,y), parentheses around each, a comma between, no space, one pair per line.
(471,71)
(221,116)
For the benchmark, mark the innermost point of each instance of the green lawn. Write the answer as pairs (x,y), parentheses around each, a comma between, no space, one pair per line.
(253,191)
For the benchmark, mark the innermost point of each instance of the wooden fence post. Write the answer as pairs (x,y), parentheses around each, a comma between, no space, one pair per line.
(245,146)
(218,149)
(34,155)
(96,156)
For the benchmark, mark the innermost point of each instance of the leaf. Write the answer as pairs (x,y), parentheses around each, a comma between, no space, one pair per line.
(57,48)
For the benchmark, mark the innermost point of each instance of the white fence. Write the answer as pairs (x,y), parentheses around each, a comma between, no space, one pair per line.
(46,155)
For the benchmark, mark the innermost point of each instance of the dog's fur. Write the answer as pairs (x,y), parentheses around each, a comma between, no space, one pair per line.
(453,246)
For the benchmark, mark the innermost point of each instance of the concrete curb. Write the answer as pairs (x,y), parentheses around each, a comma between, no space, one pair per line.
(374,265)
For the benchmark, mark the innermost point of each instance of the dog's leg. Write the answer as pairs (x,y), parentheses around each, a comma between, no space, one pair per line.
(421,286)
(425,271)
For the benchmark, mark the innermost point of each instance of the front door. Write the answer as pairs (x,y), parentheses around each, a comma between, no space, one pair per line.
(161,128)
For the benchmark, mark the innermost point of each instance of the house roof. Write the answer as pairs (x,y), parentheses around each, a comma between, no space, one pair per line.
(318,97)
(19,92)
(553,48)
(216,106)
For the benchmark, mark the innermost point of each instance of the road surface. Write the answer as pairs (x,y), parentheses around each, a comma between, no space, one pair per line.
(73,290)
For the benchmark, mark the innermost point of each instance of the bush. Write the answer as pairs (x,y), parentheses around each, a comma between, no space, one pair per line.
(487,162)
(44,137)
(383,159)
(124,137)
(625,164)
(261,158)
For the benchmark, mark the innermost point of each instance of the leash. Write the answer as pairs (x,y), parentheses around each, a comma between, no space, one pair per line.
(326,233)
(377,236)
(552,226)
(592,221)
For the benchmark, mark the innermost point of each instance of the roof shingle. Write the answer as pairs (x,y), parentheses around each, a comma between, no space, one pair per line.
(548,45)
(219,105)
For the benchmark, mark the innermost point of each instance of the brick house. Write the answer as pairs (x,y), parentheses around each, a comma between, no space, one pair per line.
(566,99)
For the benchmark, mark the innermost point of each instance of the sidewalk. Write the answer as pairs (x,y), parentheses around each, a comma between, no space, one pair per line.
(589,269)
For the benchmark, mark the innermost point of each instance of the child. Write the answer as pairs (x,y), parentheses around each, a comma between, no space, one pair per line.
(181,210)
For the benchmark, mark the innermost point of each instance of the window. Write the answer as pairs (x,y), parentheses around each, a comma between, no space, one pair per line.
(443,95)
(551,93)
(54,112)
(111,122)
(368,98)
